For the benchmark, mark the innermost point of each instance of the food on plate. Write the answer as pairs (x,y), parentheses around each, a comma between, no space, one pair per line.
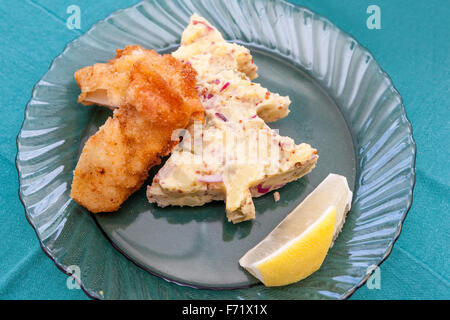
(276,196)
(108,84)
(152,95)
(204,93)
(297,247)
(239,156)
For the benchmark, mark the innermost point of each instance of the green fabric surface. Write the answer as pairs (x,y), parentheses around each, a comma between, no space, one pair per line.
(412,47)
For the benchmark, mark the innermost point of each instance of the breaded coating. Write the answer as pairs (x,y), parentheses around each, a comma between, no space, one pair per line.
(155,95)
(106,84)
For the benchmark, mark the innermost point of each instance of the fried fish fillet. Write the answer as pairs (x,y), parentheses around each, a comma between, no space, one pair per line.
(106,84)
(152,95)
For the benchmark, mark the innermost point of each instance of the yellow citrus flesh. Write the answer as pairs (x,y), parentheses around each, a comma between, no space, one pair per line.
(297,247)
(302,257)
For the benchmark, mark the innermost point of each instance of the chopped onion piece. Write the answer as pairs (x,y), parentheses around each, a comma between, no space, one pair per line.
(221,116)
(225,86)
(262,190)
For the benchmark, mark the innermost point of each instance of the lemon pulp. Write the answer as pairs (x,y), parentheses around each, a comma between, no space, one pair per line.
(297,247)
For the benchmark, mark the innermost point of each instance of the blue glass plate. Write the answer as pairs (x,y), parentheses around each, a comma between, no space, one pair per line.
(342,103)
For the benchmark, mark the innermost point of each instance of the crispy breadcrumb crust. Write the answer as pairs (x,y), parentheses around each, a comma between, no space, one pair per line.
(155,95)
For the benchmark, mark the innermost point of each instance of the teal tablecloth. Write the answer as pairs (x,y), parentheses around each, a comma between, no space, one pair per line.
(413,46)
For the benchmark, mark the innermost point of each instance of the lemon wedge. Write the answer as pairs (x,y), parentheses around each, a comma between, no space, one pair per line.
(297,247)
